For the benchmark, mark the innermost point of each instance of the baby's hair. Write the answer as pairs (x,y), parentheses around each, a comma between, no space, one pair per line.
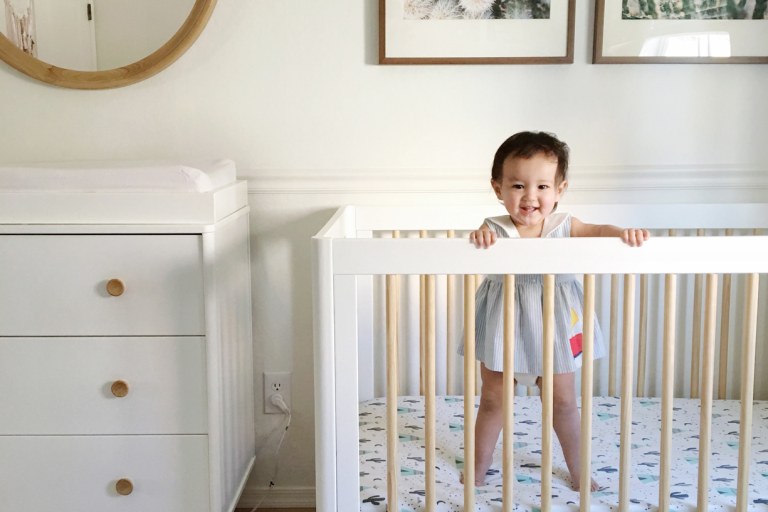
(529,144)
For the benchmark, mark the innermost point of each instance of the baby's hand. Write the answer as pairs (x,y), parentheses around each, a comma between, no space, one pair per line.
(482,237)
(634,237)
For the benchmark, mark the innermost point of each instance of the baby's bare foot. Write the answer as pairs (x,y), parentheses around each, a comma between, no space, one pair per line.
(479,482)
(575,484)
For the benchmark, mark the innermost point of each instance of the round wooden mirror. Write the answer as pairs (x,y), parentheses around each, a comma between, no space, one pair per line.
(119,76)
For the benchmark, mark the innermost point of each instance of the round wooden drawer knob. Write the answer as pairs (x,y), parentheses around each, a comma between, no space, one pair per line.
(119,388)
(124,487)
(115,287)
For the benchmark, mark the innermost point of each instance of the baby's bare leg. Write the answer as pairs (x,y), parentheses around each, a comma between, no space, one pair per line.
(567,424)
(489,421)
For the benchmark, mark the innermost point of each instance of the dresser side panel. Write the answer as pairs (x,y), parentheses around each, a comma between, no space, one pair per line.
(232,333)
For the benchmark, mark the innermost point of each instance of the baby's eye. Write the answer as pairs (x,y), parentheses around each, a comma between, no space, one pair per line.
(518,186)
(543,187)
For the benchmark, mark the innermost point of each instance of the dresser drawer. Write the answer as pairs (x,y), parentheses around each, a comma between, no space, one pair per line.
(54,285)
(115,385)
(81,473)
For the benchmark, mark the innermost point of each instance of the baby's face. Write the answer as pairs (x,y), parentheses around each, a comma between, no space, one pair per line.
(529,191)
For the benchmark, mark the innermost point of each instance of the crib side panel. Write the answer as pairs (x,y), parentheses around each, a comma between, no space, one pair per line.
(647,311)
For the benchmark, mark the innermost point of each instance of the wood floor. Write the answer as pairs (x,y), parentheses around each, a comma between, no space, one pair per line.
(277,510)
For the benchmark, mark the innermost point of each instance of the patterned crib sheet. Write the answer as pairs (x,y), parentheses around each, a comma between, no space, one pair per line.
(644,486)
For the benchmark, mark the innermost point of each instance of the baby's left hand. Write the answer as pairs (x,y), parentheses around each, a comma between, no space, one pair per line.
(634,237)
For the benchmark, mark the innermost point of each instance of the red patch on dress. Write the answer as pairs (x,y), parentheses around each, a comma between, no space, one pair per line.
(576,344)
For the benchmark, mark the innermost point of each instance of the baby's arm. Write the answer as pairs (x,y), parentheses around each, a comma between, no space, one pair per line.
(634,237)
(483,237)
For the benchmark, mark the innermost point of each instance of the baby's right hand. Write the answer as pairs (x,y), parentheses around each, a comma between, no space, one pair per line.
(482,237)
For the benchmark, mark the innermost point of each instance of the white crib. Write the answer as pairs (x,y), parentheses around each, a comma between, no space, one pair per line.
(360,318)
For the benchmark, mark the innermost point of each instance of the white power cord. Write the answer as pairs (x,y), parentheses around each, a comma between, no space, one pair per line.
(277,400)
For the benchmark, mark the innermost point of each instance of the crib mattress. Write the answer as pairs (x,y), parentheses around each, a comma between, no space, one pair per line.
(644,486)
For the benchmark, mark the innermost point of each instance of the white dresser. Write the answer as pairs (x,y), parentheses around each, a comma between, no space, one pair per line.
(126,366)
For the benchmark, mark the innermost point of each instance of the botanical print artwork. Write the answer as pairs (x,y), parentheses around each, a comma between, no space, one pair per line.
(20,25)
(476,9)
(695,9)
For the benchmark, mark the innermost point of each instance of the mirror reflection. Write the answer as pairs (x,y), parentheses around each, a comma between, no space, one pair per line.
(91,35)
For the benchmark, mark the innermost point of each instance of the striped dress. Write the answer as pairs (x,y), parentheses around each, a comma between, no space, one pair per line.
(569,303)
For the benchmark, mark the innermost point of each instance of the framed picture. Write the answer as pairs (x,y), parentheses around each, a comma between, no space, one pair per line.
(476,31)
(681,31)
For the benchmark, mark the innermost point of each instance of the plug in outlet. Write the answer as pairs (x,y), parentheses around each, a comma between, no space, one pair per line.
(276,383)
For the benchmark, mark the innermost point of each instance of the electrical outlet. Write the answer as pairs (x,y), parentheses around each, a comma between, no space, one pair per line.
(276,383)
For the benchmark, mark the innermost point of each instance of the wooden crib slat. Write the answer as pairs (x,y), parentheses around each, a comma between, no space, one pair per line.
(707,380)
(725,326)
(400,339)
(586,391)
(393,463)
(747,392)
(450,337)
(625,444)
(696,331)
(546,392)
(478,383)
(667,396)
(613,347)
(642,340)
(422,325)
(422,330)
(469,392)
(696,337)
(508,467)
(429,387)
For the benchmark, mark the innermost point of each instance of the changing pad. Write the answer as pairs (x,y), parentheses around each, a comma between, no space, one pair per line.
(118,176)
(119,193)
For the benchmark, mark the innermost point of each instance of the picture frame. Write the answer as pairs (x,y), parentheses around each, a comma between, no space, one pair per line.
(450,32)
(706,32)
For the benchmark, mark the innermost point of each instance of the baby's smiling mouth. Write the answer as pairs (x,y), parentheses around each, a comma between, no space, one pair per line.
(528,209)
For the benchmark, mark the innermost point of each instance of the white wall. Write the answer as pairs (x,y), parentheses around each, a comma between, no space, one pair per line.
(293,93)
(129,31)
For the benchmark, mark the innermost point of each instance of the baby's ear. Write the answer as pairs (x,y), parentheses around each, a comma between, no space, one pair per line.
(562,187)
(496,188)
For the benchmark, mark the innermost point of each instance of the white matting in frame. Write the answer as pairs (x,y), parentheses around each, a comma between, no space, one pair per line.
(670,41)
(475,41)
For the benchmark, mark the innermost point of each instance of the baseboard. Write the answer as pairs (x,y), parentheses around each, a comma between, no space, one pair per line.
(278,497)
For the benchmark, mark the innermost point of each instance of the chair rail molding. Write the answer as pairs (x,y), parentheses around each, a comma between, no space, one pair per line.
(636,178)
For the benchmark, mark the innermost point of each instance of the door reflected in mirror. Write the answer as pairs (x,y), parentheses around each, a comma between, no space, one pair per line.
(91,35)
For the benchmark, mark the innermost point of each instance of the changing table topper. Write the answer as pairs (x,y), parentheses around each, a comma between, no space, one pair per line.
(120,192)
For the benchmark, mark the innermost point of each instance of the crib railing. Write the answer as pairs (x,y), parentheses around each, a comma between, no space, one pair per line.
(342,261)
